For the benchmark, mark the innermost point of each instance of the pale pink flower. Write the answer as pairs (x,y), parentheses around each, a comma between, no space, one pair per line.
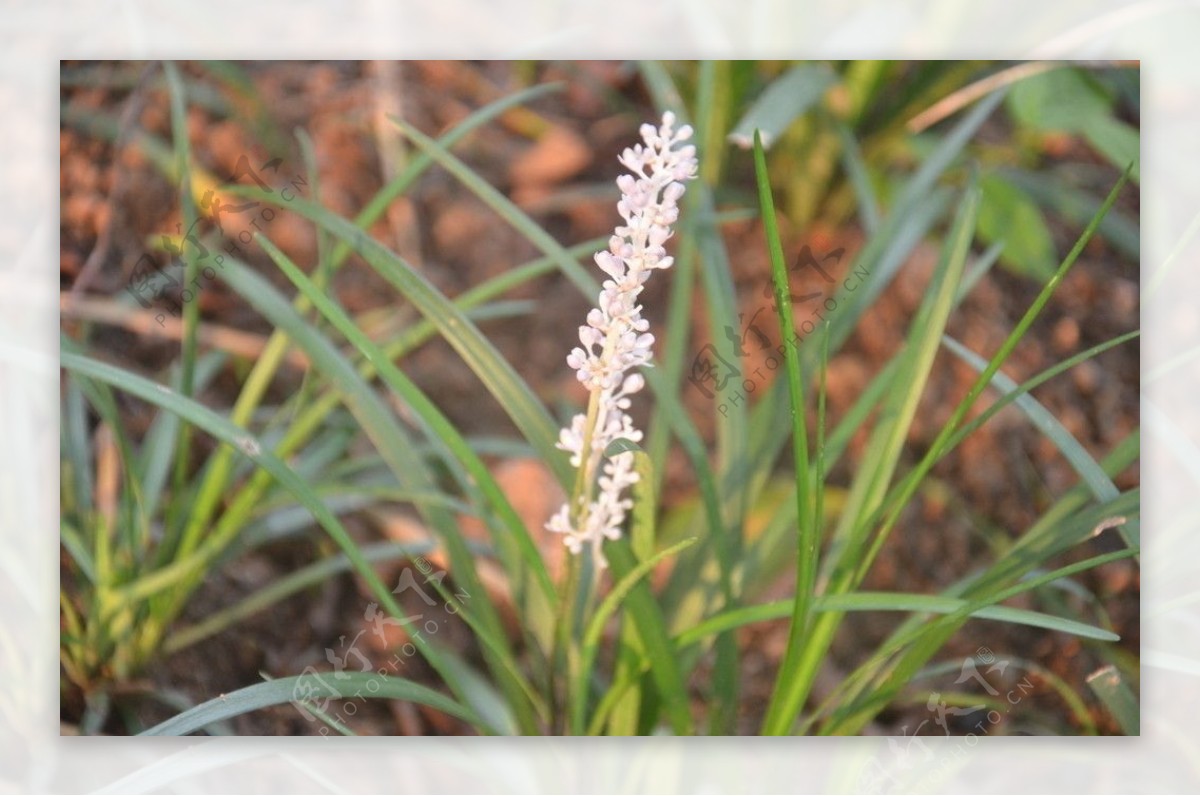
(616,338)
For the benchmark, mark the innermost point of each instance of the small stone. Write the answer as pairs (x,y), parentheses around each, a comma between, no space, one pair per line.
(1066,335)
(558,155)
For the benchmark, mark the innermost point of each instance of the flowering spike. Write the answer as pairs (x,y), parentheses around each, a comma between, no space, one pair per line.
(615,339)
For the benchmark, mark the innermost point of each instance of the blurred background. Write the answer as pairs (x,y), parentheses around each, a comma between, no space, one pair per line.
(1046,157)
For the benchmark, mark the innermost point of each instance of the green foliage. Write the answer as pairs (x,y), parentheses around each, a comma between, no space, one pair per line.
(1066,100)
(652,644)
(1060,99)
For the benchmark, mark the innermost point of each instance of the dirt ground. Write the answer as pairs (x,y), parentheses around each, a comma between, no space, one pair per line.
(557,160)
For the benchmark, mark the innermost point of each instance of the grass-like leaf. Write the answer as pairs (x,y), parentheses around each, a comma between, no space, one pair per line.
(497,375)
(786,99)
(515,535)
(595,628)
(307,576)
(394,444)
(853,549)
(894,601)
(209,421)
(1082,462)
(665,667)
(503,206)
(724,543)
(788,691)
(356,685)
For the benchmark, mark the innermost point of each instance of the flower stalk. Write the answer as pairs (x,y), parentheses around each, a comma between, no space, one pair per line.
(616,338)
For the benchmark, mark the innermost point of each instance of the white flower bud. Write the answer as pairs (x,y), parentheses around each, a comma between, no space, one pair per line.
(634,382)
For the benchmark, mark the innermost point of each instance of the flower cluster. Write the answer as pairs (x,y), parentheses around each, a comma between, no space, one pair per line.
(616,338)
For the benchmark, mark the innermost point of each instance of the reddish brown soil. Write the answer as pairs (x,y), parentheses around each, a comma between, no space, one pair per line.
(557,160)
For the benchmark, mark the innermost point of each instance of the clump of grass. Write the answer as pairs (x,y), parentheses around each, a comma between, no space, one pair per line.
(143,526)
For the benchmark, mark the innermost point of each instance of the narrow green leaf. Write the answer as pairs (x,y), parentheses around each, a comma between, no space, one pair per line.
(393,443)
(248,445)
(787,98)
(725,540)
(1068,523)
(155,458)
(853,549)
(665,666)
(860,179)
(415,167)
(621,445)
(1078,457)
(948,149)
(877,601)
(595,628)
(353,685)
(73,542)
(191,309)
(1055,190)
(895,501)
(77,445)
(265,367)
(887,441)
(503,206)
(306,577)
(642,540)
(497,375)
(788,694)
(891,601)
(515,536)
(870,484)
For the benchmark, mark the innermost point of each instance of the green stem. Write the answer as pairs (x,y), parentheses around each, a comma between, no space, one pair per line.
(191,309)
(564,649)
